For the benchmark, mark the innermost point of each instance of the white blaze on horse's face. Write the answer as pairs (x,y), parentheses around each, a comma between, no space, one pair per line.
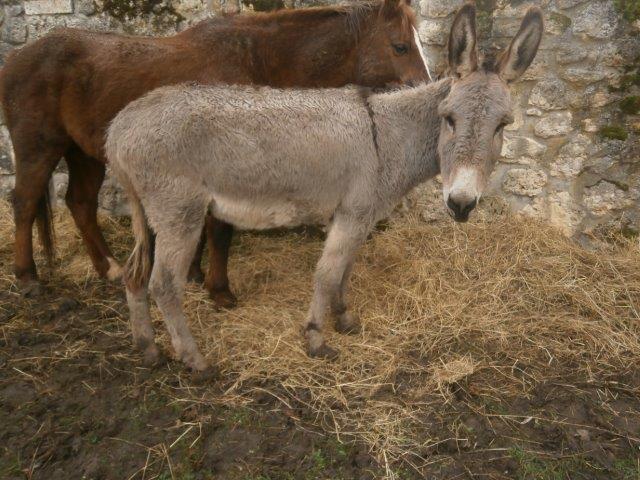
(416,38)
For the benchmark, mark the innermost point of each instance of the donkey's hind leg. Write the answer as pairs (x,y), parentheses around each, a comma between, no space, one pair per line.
(345,236)
(177,235)
(141,327)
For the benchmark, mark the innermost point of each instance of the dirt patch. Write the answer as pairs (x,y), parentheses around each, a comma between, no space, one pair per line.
(493,350)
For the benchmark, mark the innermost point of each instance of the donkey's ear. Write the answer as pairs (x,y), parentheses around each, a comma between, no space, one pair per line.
(524,46)
(463,53)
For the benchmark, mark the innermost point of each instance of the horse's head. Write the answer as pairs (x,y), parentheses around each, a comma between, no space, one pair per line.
(389,48)
(478,107)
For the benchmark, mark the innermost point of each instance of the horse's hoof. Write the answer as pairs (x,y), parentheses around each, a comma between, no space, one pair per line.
(324,351)
(348,323)
(196,276)
(209,374)
(31,289)
(115,270)
(223,298)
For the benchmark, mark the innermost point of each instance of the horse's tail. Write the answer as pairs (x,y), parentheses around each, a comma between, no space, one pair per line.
(45,227)
(138,267)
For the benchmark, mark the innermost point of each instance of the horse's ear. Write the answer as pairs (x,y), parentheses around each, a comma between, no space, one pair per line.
(390,7)
(524,46)
(463,53)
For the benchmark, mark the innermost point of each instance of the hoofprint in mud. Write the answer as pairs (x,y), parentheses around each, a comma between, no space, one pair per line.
(262,158)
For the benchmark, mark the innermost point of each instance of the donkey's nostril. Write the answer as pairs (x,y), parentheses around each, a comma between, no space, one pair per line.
(461,207)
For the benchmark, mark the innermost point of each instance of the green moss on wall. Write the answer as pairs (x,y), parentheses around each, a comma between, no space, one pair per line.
(630,105)
(614,132)
(629,9)
(128,9)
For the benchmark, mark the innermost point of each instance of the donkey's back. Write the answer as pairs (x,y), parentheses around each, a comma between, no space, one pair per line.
(263,157)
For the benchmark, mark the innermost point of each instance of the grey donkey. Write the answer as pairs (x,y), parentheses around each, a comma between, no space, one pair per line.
(263,158)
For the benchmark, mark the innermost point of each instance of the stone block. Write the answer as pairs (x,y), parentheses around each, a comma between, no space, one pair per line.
(554,124)
(434,32)
(524,181)
(518,146)
(439,8)
(550,94)
(48,7)
(596,20)
(14,30)
(6,153)
(604,197)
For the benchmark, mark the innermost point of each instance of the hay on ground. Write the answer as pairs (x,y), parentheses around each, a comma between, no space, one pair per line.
(495,306)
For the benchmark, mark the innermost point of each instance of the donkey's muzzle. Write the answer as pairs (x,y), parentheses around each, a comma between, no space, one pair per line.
(460,208)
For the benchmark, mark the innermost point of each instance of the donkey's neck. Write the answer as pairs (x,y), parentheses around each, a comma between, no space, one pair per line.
(408,128)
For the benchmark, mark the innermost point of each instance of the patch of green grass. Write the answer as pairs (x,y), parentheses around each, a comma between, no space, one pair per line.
(627,469)
(614,132)
(532,467)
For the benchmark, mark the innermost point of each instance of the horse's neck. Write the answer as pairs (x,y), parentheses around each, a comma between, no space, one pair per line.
(326,50)
(409,120)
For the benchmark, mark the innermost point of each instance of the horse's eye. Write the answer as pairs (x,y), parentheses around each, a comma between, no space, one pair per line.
(450,122)
(401,48)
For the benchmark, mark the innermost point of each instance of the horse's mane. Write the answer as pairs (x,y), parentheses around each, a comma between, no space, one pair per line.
(355,13)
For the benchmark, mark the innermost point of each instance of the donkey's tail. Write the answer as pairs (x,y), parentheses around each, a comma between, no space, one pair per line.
(138,267)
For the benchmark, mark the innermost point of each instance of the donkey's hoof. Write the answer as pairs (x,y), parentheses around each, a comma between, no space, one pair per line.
(31,288)
(209,374)
(324,351)
(153,357)
(223,298)
(348,323)
(195,275)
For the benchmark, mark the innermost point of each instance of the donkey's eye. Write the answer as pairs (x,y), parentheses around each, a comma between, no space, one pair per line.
(401,48)
(500,127)
(450,122)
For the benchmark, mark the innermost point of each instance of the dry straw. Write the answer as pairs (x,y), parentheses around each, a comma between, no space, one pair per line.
(496,307)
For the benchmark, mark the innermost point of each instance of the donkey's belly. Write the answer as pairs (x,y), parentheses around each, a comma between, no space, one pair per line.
(264,214)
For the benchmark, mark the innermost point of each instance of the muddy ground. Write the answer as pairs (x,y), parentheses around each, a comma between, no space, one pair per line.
(75,402)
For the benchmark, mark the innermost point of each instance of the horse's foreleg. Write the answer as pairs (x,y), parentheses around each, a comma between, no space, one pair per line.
(85,179)
(344,238)
(219,236)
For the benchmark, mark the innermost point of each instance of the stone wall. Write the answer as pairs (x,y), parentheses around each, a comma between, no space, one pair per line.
(573,155)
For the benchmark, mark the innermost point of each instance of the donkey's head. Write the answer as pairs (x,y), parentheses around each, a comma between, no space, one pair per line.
(390,52)
(478,107)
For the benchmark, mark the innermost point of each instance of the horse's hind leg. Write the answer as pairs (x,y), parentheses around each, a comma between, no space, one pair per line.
(219,236)
(177,233)
(35,163)
(85,179)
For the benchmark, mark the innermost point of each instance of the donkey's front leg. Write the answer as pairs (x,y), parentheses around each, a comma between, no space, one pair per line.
(345,236)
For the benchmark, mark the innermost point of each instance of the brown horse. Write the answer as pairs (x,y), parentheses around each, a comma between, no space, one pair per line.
(60,93)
